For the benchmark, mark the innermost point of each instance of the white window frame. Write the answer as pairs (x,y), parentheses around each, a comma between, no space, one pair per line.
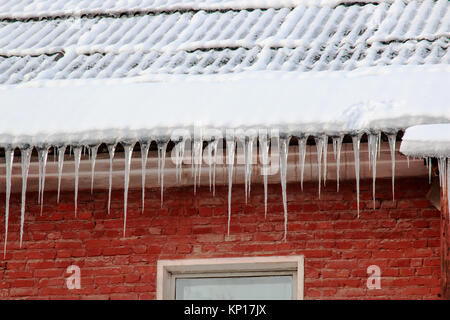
(170,270)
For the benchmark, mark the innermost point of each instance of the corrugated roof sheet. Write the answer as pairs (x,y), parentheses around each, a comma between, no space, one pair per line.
(301,38)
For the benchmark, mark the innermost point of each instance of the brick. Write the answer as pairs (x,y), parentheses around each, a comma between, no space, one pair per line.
(401,237)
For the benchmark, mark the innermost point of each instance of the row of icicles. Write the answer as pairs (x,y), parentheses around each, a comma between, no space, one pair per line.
(247,143)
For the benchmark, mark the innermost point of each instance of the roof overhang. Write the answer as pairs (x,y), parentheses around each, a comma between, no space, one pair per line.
(379,98)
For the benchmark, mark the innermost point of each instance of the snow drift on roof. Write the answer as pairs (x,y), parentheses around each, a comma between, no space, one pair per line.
(21,9)
(432,140)
(330,102)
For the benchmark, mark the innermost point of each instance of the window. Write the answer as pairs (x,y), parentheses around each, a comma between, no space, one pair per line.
(253,278)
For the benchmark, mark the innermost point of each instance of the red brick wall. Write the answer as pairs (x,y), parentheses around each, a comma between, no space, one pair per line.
(402,238)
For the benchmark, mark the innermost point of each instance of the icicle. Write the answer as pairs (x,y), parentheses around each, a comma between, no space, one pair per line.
(334,146)
(284,145)
(209,154)
(301,157)
(379,144)
(319,144)
(264,146)
(373,149)
(42,158)
(111,150)
(231,146)
(128,148)
(407,159)
(178,162)
(197,158)
(93,155)
(391,138)
(214,149)
(9,158)
(249,162)
(192,159)
(448,181)
(242,139)
(442,166)
(25,160)
(179,154)
(337,144)
(61,152)
(356,143)
(162,145)
(145,146)
(429,166)
(77,158)
(369,153)
(325,153)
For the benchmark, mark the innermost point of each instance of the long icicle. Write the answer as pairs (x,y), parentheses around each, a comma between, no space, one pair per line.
(284,145)
(93,155)
(442,166)
(145,146)
(319,145)
(197,157)
(25,160)
(111,151)
(448,182)
(379,144)
(242,139)
(9,157)
(180,147)
(215,143)
(301,157)
(77,158)
(325,153)
(128,148)
(356,146)
(61,152)
(162,146)
(249,164)
(209,155)
(337,141)
(264,146)
(373,149)
(42,158)
(429,166)
(391,138)
(231,146)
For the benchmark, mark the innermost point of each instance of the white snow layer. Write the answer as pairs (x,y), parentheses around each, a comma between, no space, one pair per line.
(21,9)
(431,140)
(316,102)
(303,39)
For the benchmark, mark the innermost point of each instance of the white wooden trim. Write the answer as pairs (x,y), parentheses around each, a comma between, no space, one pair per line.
(169,270)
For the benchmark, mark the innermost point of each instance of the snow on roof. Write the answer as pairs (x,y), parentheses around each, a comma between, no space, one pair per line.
(331,102)
(170,41)
(22,9)
(296,35)
(431,140)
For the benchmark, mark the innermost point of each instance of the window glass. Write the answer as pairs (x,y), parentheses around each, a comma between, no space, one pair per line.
(235,288)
